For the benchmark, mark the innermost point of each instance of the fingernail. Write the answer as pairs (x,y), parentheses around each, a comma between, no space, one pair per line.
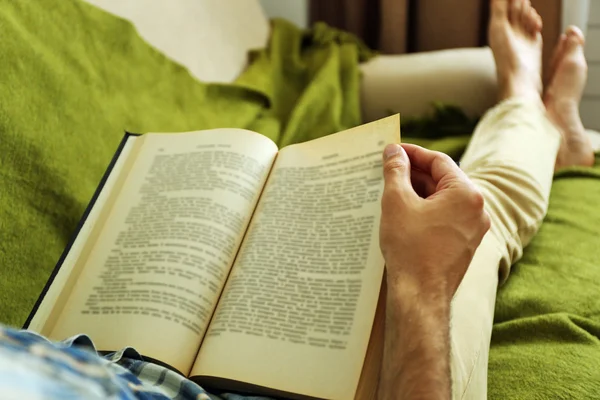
(391,150)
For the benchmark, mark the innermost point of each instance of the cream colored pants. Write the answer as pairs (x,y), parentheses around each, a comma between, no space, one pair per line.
(511,159)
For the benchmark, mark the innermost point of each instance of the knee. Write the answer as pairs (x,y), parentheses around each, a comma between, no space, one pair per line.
(517,205)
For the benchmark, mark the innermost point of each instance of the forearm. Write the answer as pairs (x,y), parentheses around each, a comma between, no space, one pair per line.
(416,361)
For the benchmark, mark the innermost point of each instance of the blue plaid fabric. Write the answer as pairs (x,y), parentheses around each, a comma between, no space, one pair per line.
(32,367)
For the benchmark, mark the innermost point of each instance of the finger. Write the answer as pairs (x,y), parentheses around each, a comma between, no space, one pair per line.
(422,183)
(437,165)
(396,171)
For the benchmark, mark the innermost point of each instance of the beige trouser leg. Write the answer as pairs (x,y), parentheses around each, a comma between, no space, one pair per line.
(511,159)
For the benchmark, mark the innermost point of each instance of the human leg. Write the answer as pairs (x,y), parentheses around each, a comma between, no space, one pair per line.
(511,158)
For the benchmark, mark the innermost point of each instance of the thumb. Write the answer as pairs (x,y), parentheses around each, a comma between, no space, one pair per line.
(396,170)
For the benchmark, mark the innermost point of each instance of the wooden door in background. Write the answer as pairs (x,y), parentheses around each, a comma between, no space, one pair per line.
(446,24)
(398,26)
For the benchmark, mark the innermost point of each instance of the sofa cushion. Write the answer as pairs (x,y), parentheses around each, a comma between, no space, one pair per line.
(211,38)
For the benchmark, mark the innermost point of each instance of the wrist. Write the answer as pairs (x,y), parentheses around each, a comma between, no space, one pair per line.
(407,288)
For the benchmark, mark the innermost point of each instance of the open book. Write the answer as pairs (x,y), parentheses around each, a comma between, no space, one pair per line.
(237,264)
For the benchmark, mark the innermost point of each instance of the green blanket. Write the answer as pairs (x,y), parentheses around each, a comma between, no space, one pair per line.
(74,78)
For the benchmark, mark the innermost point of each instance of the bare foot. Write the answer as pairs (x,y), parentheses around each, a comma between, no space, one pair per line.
(562,97)
(516,41)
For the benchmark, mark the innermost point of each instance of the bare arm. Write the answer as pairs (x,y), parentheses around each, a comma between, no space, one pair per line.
(416,361)
(432,221)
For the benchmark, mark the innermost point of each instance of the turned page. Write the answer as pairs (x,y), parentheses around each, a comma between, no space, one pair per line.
(298,308)
(156,264)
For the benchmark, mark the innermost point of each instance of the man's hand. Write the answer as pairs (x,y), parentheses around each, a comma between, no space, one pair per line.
(432,222)
(432,219)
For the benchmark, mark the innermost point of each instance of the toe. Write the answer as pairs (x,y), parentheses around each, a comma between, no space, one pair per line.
(538,22)
(526,16)
(531,20)
(573,57)
(557,55)
(516,7)
(575,35)
(499,8)
(535,22)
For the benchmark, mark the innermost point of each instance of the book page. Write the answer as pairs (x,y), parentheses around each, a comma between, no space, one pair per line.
(298,308)
(64,279)
(153,274)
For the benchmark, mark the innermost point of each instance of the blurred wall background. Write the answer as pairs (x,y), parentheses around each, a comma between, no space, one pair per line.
(292,10)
